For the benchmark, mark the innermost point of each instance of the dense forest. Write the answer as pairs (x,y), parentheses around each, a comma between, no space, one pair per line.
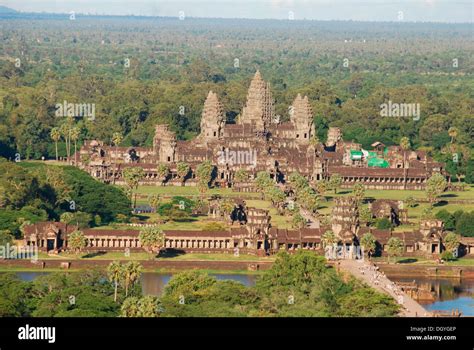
(142,71)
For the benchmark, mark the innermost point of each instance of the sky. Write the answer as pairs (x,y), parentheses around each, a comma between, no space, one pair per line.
(357,10)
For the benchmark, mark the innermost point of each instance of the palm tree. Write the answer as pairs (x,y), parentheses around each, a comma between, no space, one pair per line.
(56,136)
(369,243)
(131,273)
(132,177)
(151,239)
(451,242)
(75,133)
(163,170)
(155,201)
(314,141)
(241,175)
(117,138)
(404,145)
(64,130)
(226,206)
(204,175)
(114,271)
(453,133)
(182,170)
(130,307)
(77,241)
(395,247)
(329,239)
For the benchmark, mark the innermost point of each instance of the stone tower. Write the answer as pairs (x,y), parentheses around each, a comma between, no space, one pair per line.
(212,119)
(259,107)
(345,218)
(164,144)
(301,116)
(334,136)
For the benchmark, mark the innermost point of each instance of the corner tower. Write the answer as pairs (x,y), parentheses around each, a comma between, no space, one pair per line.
(301,116)
(164,144)
(212,118)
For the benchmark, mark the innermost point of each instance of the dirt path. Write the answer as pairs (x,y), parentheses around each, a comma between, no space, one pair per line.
(368,272)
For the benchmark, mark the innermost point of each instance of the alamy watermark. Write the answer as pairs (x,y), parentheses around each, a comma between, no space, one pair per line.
(392,109)
(334,252)
(78,110)
(237,157)
(18,252)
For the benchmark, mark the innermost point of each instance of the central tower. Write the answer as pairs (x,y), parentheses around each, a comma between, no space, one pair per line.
(258,110)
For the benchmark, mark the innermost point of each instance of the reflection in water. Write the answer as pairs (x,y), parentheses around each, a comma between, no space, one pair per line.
(448,294)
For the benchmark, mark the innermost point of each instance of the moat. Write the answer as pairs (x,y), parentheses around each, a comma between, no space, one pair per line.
(448,294)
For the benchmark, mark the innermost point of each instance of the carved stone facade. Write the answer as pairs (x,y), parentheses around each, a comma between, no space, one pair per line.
(259,141)
(212,119)
(258,110)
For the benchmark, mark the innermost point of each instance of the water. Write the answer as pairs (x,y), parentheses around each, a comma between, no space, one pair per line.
(153,283)
(449,294)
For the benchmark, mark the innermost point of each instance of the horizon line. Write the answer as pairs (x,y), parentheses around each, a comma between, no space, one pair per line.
(225,18)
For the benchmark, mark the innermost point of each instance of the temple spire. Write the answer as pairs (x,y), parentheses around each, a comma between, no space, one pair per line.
(258,109)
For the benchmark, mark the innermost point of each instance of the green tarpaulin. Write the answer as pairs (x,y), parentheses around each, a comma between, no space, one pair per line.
(378,162)
(355,155)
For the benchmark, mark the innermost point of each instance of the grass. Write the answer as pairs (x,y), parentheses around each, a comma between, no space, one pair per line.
(417,260)
(277,220)
(404,194)
(190,191)
(145,256)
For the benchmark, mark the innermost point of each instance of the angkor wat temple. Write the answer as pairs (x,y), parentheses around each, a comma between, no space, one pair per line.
(260,141)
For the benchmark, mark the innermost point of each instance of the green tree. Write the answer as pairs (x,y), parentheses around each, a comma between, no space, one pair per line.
(155,201)
(405,145)
(453,133)
(383,224)
(298,221)
(277,197)
(204,175)
(114,272)
(67,218)
(117,139)
(163,171)
(335,182)
(452,242)
(395,247)
(329,238)
(365,216)
(182,170)
(132,177)
(369,243)
(226,207)
(435,185)
(263,181)
(241,175)
(74,135)
(465,224)
(152,239)
(6,238)
(358,192)
(447,218)
(55,136)
(131,274)
(77,241)
(147,306)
